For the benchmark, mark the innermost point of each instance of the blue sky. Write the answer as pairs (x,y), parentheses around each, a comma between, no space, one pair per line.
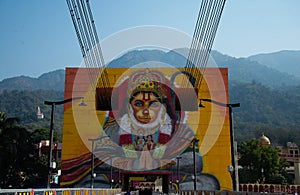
(37,36)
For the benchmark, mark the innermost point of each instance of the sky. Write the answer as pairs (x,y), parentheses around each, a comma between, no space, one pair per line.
(37,36)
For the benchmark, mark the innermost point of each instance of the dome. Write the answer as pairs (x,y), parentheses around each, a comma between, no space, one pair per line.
(264,140)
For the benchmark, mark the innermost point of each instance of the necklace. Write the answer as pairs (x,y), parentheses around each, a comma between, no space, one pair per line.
(136,130)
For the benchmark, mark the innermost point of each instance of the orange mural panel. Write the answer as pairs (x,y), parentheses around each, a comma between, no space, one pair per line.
(142,119)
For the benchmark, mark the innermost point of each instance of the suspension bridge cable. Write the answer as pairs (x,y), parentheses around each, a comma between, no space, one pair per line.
(213,25)
(206,26)
(86,33)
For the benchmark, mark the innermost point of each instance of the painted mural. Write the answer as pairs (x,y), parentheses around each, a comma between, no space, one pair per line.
(144,121)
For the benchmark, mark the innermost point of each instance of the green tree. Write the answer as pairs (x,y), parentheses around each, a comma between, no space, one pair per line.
(7,122)
(261,164)
(17,154)
(43,134)
(6,148)
(42,161)
(20,166)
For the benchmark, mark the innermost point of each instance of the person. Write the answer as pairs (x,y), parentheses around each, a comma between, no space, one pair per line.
(142,189)
(128,192)
(145,125)
(139,142)
(149,143)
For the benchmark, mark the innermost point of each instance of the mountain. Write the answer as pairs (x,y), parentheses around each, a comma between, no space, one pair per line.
(263,110)
(136,57)
(54,80)
(265,107)
(245,70)
(239,69)
(284,61)
(23,104)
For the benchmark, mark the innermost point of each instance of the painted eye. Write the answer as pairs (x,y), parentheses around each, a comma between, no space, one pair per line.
(154,104)
(139,103)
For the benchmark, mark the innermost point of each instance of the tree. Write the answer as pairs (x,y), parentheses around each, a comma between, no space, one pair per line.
(20,166)
(43,134)
(7,122)
(261,164)
(17,154)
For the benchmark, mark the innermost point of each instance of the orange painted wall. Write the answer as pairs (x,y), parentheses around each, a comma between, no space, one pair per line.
(210,124)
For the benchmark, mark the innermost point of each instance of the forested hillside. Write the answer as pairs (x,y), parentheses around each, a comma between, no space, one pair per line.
(263,110)
(23,105)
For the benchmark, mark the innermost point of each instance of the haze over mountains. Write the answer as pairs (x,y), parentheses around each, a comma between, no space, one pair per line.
(54,80)
(284,61)
(275,70)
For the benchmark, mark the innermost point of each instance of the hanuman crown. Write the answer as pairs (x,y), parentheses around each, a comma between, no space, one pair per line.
(147,81)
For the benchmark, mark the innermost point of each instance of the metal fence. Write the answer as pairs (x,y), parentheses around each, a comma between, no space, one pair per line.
(61,191)
(190,192)
(101,191)
(270,188)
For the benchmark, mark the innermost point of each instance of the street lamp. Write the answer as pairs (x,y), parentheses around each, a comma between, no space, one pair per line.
(178,171)
(93,159)
(119,177)
(172,163)
(119,174)
(51,165)
(194,141)
(233,160)
(262,175)
(111,175)
(93,174)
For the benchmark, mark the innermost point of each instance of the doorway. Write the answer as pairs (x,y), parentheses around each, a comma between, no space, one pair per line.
(146,182)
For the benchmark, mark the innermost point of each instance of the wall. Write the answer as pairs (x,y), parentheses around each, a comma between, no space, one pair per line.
(210,124)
